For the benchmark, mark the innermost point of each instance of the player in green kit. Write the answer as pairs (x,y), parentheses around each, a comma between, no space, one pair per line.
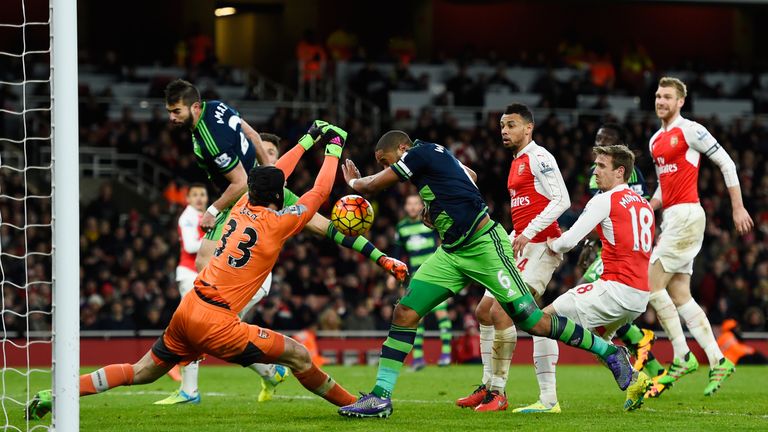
(418,242)
(474,248)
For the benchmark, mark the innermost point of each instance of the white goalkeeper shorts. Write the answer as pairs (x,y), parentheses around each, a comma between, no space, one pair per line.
(536,266)
(602,306)
(681,237)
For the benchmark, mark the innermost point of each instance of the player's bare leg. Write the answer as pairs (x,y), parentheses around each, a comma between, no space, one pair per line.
(297,358)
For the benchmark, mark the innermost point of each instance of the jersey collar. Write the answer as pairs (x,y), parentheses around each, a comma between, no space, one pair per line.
(199,119)
(531,146)
(674,124)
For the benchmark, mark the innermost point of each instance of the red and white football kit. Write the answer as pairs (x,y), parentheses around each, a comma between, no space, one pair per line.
(190,236)
(626,225)
(676,155)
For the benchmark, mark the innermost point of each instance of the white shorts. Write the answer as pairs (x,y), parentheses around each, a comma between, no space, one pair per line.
(681,237)
(260,294)
(536,266)
(185,279)
(602,306)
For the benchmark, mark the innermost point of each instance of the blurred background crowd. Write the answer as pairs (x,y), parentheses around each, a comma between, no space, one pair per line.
(129,245)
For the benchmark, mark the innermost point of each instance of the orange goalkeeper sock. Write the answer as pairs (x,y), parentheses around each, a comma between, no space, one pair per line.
(108,377)
(321,384)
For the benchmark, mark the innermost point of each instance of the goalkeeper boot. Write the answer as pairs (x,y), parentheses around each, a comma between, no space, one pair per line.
(368,405)
(494,401)
(444,360)
(474,399)
(418,364)
(180,397)
(621,367)
(718,374)
(268,385)
(636,391)
(643,348)
(679,368)
(538,408)
(40,405)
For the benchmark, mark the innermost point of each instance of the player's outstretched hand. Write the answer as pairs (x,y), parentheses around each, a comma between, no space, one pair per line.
(350,172)
(395,267)
(334,138)
(313,134)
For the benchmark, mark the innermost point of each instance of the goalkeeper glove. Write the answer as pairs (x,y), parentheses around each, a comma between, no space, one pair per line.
(395,267)
(313,134)
(334,138)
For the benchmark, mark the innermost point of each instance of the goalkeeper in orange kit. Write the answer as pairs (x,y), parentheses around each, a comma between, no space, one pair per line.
(206,322)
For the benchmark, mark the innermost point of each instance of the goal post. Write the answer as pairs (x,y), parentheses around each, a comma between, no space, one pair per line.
(65,216)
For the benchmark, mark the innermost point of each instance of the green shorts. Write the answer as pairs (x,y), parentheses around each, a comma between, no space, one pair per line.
(486,258)
(289,198)
(595,270)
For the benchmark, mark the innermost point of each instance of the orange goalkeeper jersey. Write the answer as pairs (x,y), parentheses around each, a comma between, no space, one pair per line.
(252,240)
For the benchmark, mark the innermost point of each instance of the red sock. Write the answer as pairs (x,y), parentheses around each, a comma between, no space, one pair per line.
(108,377)
(321,384)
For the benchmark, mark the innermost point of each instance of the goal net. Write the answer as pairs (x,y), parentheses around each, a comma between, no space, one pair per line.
(39,223)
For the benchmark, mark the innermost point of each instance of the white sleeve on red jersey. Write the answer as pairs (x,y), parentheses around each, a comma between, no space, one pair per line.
(657,192)
(597,209)
(699,139)
(190,234)
(544,168)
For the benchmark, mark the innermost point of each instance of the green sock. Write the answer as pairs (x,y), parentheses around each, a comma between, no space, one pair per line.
(445,335)
(568,332)
(418,343)
(359,243)
(653,367)
(633,335)
(393,353)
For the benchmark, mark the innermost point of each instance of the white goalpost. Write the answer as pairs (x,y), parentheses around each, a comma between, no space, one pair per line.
(65,216)
(39,211)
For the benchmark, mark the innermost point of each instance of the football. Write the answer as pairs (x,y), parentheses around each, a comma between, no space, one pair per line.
(352,215)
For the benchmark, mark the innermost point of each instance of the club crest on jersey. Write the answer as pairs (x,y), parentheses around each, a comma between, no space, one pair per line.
(263,334)
(673,141)
(521,169)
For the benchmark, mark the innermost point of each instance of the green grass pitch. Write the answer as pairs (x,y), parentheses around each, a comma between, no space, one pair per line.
(423,401)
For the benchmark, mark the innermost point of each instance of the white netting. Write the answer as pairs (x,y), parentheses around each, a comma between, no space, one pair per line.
(25,207)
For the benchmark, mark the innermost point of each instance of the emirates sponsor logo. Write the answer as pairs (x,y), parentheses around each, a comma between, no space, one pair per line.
(665,168)
(520,201)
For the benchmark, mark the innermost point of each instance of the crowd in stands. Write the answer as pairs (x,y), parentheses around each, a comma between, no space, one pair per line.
(128,253)
(128,256)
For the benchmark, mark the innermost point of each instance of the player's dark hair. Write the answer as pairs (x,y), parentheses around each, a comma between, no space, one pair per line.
(181,90)
(265,186)
(196,185)
(274,139)
(522,110)
(621,156)
(391,140)
(620,131)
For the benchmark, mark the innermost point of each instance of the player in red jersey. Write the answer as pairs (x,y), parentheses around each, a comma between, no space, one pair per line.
(676,149)
(625,222)
(206,321)
(538,196)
